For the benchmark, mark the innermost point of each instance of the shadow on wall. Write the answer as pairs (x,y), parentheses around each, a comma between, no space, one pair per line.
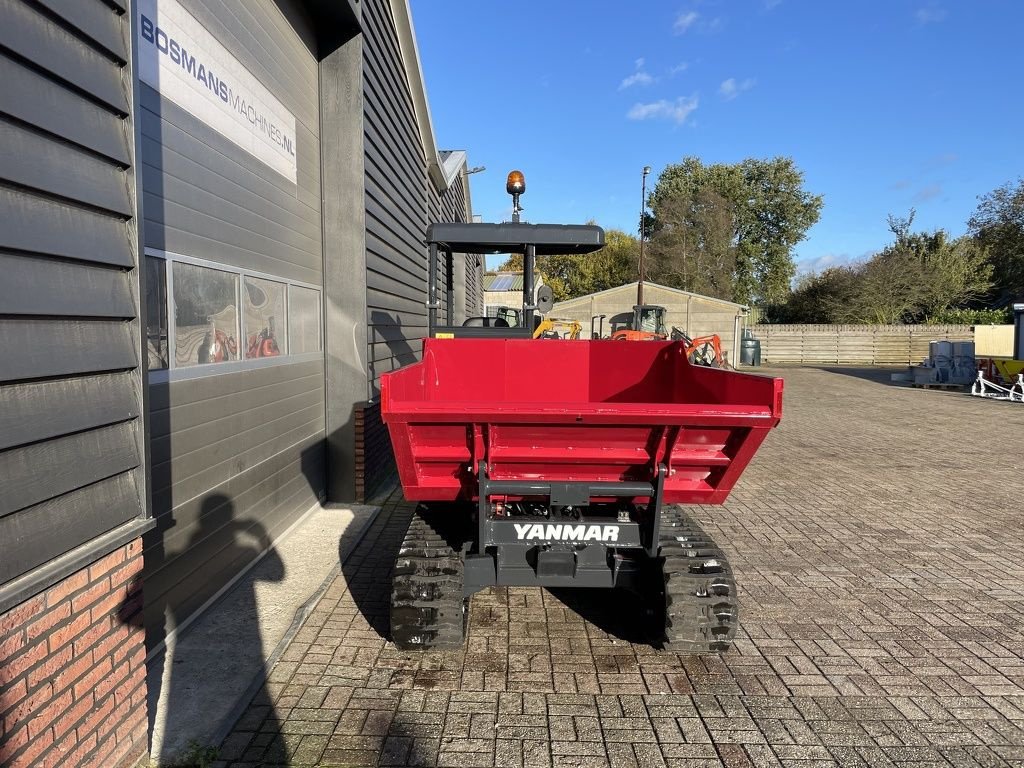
(176,700)
(387,328)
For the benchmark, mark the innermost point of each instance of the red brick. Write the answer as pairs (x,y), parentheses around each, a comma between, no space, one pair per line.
(110,606)
(89,596)
(99,671)
(77,667)
(50,711)
(125,753)
(70,718)
(120,575)
(50,666)
(58,755)
(11,645)
(37,746)
(92,722)
(127,691)
(49,619)
(91,636)
(127,729)
(17,616)
(111,681)
(11,744)
(78,755)
(135,653)
(13,669)
(108,725)
(104,754)
(62,635)
(71,584)
(10,697)
(107,645)
(23,705)
(106,564)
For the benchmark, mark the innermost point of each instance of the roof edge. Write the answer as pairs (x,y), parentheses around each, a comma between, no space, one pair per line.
(402,16)
(648,283)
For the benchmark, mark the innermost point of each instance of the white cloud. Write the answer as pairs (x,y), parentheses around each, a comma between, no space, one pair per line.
(771,5)
(677,110)
(930,15)
(681,67)
(637,78)
(731,88)
(817,264)
(684,21)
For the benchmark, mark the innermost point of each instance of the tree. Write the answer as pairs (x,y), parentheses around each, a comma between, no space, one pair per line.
(828,297)
(768,209)
(692,247)
(998,226)
(573,275)
(919,276)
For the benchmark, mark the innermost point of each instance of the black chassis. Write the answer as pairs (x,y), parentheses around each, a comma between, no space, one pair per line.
(538,550)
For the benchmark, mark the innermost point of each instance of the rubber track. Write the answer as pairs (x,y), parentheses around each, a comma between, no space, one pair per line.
(427,607)
(700,602)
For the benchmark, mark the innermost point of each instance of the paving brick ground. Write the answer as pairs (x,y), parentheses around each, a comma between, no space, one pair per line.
(878,539)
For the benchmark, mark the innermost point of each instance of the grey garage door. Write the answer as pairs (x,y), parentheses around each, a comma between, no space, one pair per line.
(231,179)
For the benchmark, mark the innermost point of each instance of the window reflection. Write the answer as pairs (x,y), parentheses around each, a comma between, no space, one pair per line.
(304,319)
(206,315)
(265,319)
(156,313)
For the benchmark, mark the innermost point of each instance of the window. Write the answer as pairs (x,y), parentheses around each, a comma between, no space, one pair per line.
(265,320)
(205,317)
(156,313)
(304,319)
(200,314)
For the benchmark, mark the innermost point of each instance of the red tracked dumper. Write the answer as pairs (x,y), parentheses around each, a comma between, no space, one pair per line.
(554,463)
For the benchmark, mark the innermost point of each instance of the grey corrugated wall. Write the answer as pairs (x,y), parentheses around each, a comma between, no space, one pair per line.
(236,457)
(71,433)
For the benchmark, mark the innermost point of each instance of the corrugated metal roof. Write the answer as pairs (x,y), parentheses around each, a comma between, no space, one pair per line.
(504,281)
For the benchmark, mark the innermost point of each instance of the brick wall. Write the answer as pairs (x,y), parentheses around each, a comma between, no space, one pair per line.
(375,463)
(73,672)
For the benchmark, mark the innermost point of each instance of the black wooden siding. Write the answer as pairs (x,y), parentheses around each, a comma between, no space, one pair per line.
(71,436)
(236,458)
(396,202)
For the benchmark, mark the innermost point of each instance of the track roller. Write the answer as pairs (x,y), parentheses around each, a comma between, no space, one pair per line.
(697,595)
(428,609)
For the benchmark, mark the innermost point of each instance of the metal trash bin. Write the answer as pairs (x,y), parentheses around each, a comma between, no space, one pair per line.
(750,350)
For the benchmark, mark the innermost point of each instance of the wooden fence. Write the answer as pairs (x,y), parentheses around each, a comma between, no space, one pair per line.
(853,344)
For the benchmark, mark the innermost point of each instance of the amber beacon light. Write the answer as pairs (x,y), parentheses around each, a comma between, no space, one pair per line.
(515,186)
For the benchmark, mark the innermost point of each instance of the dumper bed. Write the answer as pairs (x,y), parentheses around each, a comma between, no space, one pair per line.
(594,412)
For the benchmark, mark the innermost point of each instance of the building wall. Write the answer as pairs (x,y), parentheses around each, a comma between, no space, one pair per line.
(400,201)
(73,669)
(72,403)
(695,315)
(396,202)
(993,340)
(237,448)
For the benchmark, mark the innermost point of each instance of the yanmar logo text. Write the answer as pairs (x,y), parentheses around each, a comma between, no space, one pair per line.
(566,532)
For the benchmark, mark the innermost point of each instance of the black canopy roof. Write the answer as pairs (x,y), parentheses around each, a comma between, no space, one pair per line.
(547,239)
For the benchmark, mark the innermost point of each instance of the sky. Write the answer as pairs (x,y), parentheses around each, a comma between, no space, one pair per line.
(884,105)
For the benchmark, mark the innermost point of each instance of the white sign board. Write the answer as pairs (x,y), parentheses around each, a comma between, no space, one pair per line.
(188,66)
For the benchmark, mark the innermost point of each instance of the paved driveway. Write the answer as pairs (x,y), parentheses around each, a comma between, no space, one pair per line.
(878,539)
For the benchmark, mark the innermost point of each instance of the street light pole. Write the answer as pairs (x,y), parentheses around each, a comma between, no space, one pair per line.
(643,234)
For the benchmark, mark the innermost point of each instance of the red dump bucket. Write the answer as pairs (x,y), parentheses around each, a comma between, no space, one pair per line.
(592,411)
